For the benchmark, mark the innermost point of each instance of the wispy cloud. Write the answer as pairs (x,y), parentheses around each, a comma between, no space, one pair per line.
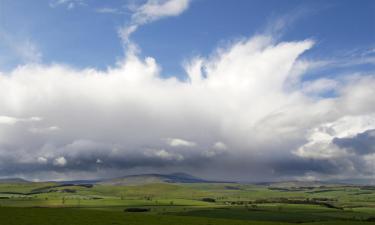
(151,11)
(69,4)
(277,26)
(22,50)
(108,10)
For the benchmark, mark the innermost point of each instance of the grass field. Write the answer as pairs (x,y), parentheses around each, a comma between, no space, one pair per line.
(199,203)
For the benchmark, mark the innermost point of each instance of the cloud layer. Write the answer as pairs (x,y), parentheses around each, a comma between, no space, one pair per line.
(243,113)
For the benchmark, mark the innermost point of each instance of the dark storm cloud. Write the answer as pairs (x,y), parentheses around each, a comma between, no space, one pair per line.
(297,166)
(362,143)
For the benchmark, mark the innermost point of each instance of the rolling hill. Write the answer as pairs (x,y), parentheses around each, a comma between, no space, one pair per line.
(13,181)
(155,178)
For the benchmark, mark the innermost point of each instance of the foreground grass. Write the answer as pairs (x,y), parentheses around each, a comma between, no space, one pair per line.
(64,216)
(280,213)
(182,204)
(71,216)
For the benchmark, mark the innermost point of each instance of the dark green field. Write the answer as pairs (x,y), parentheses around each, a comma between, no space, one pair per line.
(173,203)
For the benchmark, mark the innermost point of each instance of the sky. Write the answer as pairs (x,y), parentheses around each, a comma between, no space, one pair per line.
(242,90)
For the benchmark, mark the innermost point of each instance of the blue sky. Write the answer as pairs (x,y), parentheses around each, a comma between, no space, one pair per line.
(82,37)
(243,90)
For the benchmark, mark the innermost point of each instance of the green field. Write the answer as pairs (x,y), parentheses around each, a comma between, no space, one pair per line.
(173,203)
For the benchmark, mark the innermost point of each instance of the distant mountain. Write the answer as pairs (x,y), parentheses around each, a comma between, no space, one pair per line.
(326,183)
(357,181)
(155,178)
(78,182)
(12,180)
(296,184)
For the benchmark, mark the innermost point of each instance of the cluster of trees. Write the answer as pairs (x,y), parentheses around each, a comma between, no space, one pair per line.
(208,200)
(293,188)
(137,210)
(327,202)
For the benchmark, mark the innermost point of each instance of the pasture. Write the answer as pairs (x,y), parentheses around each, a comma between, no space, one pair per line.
(175,203)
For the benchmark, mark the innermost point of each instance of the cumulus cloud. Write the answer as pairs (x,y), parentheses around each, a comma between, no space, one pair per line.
(60,161)
(347,142)
(176,142)
(151,11)
(12,120)
(7,120)
(42,160)
(326,139)
(220,146)
(164,155)
(242,113)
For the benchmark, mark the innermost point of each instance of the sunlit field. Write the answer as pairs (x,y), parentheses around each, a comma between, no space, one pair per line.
(199,203)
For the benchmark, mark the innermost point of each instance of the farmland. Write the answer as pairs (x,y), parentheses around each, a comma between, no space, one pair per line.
(51,203)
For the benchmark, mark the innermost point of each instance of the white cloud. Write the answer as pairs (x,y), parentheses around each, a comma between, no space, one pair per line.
(69,4)
(42,160)
(164,155)
(220,146)
(20,49)
(12,120)
(320,139)
(317,87)
(155,9)
(242,94)
(108,10)
(8,120)
(177,142)
(28,51)
(151,11)
(44,129)
(60,161)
